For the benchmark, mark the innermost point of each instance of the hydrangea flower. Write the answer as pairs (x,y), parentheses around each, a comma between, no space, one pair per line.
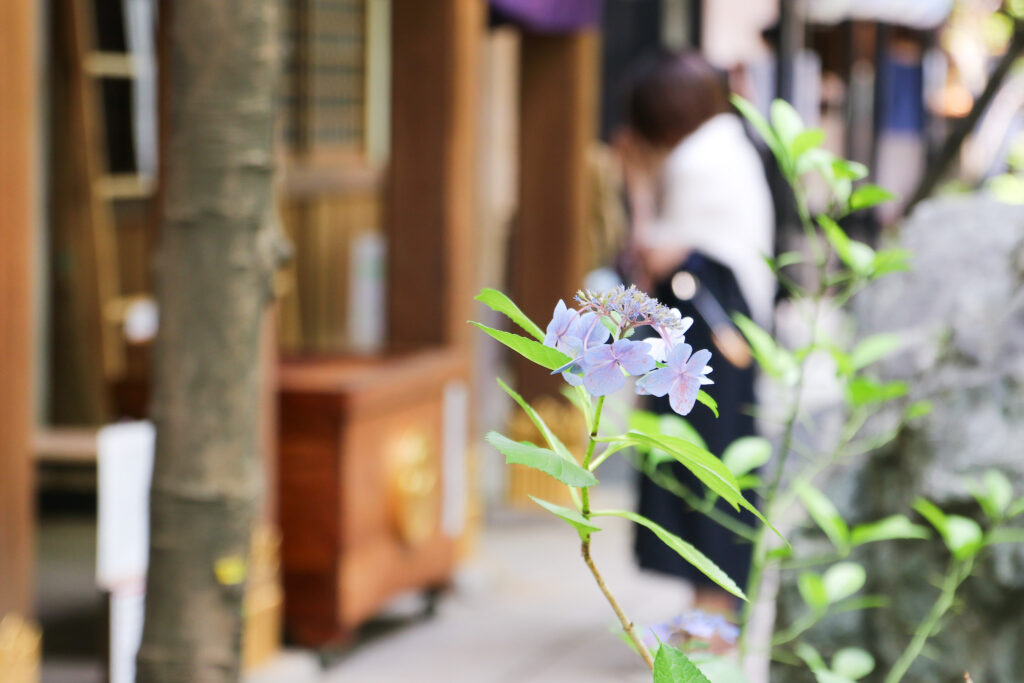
(572,334)
(681,378)
(695,624)
(562,324)
(668,338)
(603,365)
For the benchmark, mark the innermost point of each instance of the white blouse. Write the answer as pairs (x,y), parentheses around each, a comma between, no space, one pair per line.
(716,200)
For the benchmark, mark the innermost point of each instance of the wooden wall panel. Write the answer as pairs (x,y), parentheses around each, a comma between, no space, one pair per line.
(558,110)
(431,180)
(18,115)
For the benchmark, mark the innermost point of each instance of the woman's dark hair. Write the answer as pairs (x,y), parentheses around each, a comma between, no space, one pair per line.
(671,94)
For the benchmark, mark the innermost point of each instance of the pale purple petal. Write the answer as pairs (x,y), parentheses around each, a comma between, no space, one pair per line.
(588,328)
(678,356)
(604,379)
(656,383)
(633,356)
(560,325)
(698,362)
(683,394)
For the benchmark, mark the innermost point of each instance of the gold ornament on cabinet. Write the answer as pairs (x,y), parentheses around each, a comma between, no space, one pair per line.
(414,486)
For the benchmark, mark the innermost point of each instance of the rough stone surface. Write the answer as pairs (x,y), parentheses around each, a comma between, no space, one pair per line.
(961,310)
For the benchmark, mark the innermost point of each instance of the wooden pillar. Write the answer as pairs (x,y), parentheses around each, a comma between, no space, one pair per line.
(18,115)
(431,181)
(558,109)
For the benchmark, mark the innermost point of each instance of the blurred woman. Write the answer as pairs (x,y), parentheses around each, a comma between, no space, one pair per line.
(702,224)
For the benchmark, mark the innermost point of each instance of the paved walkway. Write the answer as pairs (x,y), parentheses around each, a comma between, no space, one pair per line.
(524,610)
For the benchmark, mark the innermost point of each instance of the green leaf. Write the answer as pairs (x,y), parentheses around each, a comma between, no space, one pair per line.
(583,526)
(868,195)
(964,536)
(824,514)
(547,461)
(684,549)
(673,425)
(935,516)
(497,301)
(789,258)
(760,124)
(853,663)
(874,348)
(1005,535)
(746,454)
(1015,508)
(812,590)
(994,494)
(805,141)
(859,257)
(549,436)
(786,121)
(887,529)
(810,656)
(917,409)
(545,356)
(843,579)
(672,666)
(849,170)
(711,404)
(891,261)
(773,359)
(863,391)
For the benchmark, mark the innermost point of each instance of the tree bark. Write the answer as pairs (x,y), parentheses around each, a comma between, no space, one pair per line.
(218,248)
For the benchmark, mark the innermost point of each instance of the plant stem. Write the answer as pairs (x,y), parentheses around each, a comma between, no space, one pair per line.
(959,570)
(627,625)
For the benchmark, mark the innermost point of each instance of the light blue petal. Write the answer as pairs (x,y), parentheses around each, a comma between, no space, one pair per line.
(683,394)
(656,383)
(636,358)
(604,379)
(678,356)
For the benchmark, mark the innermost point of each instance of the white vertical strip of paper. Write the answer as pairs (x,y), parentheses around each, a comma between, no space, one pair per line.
(455,430)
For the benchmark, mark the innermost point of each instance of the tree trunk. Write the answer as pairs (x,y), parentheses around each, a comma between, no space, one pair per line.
(218,248)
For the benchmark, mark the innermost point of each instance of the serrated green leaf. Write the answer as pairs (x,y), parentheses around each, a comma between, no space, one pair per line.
(672,666)
(842,580)
(582,525)
(773,359)
(549,436)
(545,356)
(704,465)
(760,124)
(994,493)
(810,656)
(806,141)
(785,121)
(704,398)
(891,261)
(547,461)
(963,536)
(868,195)
(746,454)
(874,348)
(935,516)
(689,553)
(887,529)
(850,170)
(853,663)
(497,301)
(824,514)
(812,590)
(673,425)
(863,391)
(789,258)
(917,409)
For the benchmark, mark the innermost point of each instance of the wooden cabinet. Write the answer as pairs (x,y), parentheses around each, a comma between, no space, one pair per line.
(372,453)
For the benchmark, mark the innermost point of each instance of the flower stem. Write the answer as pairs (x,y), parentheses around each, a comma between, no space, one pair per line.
(627,625)
(959,570)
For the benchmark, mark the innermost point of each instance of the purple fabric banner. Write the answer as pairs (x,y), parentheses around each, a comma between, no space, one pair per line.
(547,16)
